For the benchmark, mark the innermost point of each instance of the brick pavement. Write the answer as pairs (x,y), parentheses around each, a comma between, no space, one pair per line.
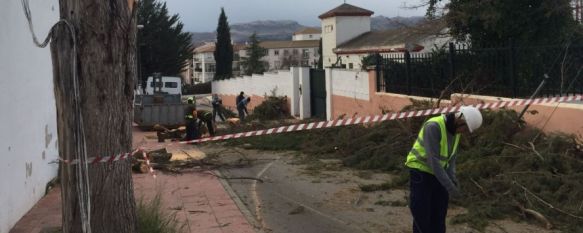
(197,198)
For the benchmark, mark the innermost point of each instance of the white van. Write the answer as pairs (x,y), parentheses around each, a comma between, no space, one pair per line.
(170,85)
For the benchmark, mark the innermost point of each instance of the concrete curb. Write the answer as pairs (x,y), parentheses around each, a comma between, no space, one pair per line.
(244,210)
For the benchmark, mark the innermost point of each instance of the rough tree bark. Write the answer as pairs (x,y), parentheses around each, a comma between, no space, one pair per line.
(105,33)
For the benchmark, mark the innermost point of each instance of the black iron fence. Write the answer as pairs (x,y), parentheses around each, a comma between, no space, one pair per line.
(508,71)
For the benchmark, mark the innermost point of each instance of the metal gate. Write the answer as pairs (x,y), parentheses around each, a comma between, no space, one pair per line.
(318,93)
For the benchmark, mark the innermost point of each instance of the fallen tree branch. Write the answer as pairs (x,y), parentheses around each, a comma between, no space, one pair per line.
(538,216)
(515,146)
(534,173)
(535,151)
(479,186)
(545,202)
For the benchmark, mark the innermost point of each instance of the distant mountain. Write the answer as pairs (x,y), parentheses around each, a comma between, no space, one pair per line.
(379,23)
(284,29)
(266,30)
(198,37)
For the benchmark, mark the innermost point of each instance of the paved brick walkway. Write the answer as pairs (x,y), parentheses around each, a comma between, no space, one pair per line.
(198,198)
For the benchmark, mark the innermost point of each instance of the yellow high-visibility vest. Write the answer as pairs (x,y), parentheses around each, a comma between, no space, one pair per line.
(417,157)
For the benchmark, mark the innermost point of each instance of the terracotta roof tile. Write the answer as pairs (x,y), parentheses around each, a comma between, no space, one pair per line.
(210,47)
(395,40)
(290,44)
(346,10)
(305,31)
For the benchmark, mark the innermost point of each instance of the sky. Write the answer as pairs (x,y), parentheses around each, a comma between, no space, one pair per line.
(202,15)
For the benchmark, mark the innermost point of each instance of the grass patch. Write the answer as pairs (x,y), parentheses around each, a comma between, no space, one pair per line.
(398,182)
(364,174)
(376,187)
(151,218)
(391,203)
(475,221)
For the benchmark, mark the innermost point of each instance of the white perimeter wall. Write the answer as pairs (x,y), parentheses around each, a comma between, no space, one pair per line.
(282,83)
(28,134)
(350,83)
(256,85)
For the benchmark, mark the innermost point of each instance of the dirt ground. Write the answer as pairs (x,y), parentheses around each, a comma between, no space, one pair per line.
(295,196)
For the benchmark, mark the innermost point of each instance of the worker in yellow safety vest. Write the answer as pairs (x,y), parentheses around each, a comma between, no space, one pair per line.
(431,164)
(190,116)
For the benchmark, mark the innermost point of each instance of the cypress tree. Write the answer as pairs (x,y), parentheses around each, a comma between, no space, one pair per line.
(223,49)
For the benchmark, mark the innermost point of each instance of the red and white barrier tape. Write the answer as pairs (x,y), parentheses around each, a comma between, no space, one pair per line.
(150,169)
(385,117)
(340,122)
(111,159)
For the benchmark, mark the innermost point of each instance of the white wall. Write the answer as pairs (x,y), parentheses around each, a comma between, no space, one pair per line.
(349,83)
(355,59)
(28,135)
(307,37)
(257,84)
(285,83)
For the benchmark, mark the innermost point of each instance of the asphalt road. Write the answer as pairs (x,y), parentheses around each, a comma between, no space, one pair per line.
(290,200)
(293,199)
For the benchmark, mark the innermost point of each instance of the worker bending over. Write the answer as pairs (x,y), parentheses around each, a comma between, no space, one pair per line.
(431,164)
(206,117)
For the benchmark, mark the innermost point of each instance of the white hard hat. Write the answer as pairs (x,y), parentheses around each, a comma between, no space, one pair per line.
(472,116)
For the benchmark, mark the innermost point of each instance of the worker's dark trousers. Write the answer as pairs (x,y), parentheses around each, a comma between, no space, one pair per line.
(241,113)
(191,130)
(210,127)
(429,200)
(217,111)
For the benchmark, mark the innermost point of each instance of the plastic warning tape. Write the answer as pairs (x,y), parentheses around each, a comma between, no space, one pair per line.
(340,122)
(380,118)
(150,168)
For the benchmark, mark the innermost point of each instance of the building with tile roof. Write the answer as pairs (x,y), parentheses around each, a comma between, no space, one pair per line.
(302,51)
(346,10)
(340,25)
(284,54)
(307,34)
(347,37)
(203,65)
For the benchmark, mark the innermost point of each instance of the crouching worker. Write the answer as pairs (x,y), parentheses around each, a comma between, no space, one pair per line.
(431,164)
(190,116)
(206,117)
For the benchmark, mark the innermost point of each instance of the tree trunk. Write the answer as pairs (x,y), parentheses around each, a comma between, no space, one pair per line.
(105,33)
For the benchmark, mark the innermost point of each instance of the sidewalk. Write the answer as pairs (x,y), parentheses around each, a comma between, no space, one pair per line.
(198,199)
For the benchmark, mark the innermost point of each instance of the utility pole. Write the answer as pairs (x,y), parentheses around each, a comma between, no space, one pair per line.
(103,55)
